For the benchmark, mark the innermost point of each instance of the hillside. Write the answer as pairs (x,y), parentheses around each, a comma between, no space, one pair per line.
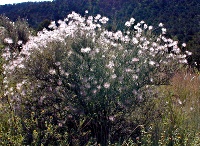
(181,17)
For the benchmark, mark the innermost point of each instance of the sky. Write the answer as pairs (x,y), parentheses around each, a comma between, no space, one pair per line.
(3,2)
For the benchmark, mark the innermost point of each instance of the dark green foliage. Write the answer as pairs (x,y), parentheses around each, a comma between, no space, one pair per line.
(44,24)
(194,46)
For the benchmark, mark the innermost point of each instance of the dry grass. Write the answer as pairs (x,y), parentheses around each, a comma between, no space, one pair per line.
(180,102)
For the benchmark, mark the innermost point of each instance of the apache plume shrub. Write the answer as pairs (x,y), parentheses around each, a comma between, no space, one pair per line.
(80,77)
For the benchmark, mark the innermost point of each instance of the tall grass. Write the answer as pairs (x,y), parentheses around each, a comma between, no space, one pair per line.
(180,104)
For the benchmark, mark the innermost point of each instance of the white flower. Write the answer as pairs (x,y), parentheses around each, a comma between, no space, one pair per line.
(86,11)
(188,53)
(132,20)
(52,71)
(85,50)
(18,86)
(8,40)
(176,50)
(142,22)
(111,118)
(136,27)
(160,25)
(128,32)
(97,50)
(98,17)
(134,40)
(128,70)
(57,63)
(66,74)
(145,26)
(11,89)
(19,42)
(151,49)
(21,66)
(98,87)
(164,30)
(106,85)
(90,18)
(66,19)
(128,24)
(53,25)
(111,64)
(94,91)
(152,63)
(184,44)
(126,38)
(135,59)
(181,56)
(104,20)
(150,27)
(113,76)
(179,101)
(135,77)
(183,61)
(138,35)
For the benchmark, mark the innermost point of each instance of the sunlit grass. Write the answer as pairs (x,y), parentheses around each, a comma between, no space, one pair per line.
(180,104)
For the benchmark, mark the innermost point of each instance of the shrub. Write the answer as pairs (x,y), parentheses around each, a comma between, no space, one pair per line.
(80,82)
